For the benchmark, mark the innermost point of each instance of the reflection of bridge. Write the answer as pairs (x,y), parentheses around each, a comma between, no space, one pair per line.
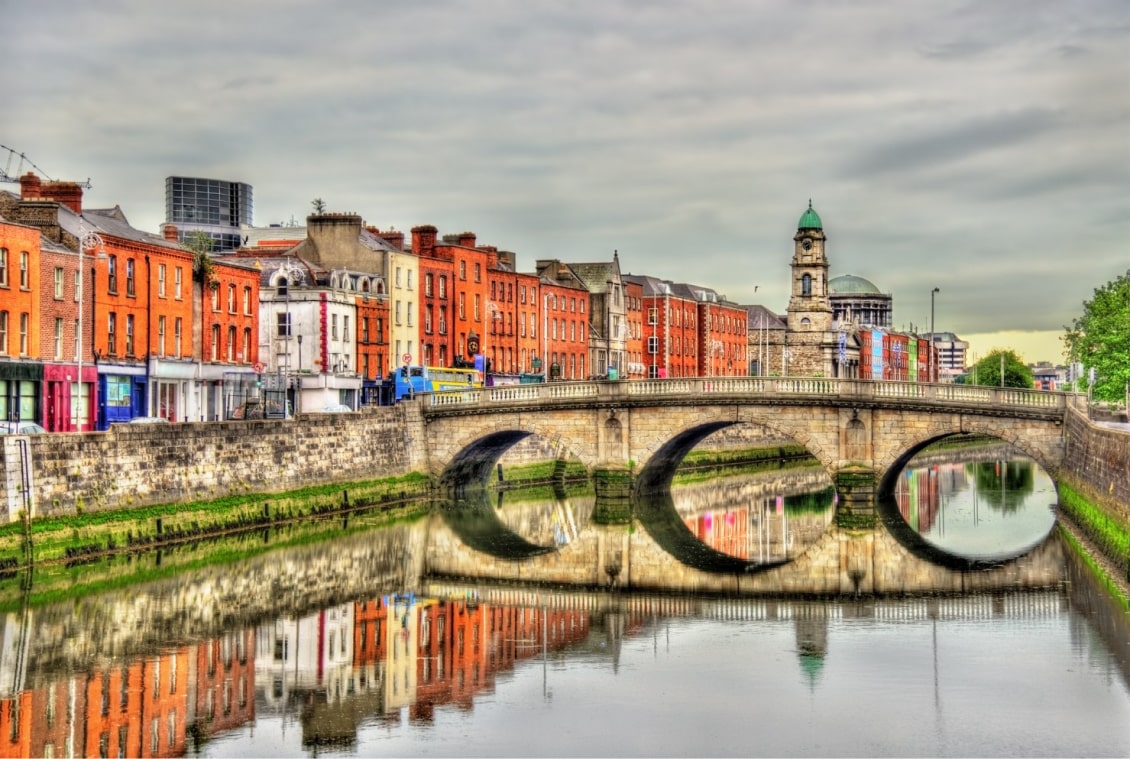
(861,431)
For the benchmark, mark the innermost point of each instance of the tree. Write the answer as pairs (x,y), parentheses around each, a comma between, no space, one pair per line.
(987,371)
(1100,339)
(203,270)
(319,205)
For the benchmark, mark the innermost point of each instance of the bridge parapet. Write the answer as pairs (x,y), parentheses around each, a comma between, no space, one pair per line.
(761,390)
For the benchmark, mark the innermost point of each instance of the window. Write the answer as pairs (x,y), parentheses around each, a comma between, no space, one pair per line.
(806,284)
(112,274)
(398,304)
(283,287)
(25,274)
(129,335)
(411,311)
(463,270)
(653,344)
(283,324)
(229,353)
(3,333)
(247,301)
(442,322)
(3,267)
(443,286)
(409,279)
(59,279)
(130,284)
(365,331)
(161,272)
(333,326)
(58,338)
(215,299)
(231,299)
(345,328)
(478,272)
(215,353)
(462,306)
(522,294)
(428,320)
(78,284)
(379,337)
(428,285)
(177,334)
(653,316)
(246,355)
(111,334)
(478,317)
(161,335)
(398,276)
(178,275)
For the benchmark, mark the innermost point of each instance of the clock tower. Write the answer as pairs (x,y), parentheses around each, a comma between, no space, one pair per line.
(809,334)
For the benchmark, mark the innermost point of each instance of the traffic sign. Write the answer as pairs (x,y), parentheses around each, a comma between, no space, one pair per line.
(406,358)
(259,368)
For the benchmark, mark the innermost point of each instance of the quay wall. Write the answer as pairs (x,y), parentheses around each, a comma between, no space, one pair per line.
(1097,460)
(137,465)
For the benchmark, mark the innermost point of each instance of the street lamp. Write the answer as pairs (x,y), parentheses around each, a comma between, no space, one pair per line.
(87,240)
(933,338)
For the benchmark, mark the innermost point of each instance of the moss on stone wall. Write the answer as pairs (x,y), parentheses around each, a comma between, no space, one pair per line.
(86,535)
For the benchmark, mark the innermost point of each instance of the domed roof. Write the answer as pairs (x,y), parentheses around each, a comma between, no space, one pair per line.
(809,219)
(851,284)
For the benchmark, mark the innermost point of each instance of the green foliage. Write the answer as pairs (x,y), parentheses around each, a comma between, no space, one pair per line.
(203,269)
(1100,338)
(318,205)
(987,371)
(1111,534)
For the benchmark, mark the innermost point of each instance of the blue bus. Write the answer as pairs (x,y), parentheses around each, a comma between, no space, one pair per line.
(409,380)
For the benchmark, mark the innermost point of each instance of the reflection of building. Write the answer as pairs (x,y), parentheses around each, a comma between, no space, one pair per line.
(225,682)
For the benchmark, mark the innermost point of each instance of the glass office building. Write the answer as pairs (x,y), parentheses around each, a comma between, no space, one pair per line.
(213,206)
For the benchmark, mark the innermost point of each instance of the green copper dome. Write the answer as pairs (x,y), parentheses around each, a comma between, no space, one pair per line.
(853,285)
(809,220)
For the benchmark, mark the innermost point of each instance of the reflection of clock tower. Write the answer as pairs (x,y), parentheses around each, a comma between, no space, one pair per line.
(809,315)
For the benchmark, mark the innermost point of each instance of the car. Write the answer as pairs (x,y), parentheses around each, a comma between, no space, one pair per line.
(20,428)
(149,420)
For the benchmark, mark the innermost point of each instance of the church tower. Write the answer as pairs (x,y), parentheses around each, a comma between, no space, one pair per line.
(810,342)
(810,307)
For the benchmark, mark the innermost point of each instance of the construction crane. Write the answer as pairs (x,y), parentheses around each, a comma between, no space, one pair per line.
(7,176)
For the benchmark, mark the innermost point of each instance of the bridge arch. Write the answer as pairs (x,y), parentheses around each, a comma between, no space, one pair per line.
(1036,446)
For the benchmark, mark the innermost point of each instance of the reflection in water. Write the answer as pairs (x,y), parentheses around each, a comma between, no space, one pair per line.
(764,516)
(979,509)
(351,646)
(409,674)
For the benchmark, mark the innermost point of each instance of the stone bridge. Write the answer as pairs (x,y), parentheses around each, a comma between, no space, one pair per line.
(632,435)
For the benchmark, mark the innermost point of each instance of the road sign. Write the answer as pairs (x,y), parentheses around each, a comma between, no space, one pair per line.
(259,368)
(406,358)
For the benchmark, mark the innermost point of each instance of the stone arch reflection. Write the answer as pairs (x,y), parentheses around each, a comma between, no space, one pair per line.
(977,506)
(761,518)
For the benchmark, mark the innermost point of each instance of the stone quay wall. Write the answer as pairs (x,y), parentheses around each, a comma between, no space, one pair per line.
(136,465)
(1097,458)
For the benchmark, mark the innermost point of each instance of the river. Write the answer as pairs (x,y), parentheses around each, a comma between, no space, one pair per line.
(340,638)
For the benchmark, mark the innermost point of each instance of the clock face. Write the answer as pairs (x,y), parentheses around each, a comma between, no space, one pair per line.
(807,244)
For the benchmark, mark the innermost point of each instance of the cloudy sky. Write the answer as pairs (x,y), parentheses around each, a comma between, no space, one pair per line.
(980,148)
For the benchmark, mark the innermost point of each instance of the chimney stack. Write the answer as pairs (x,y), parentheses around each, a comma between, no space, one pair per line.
(170,232)
(424,240)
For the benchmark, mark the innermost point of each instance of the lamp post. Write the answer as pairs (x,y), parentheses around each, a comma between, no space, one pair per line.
(87,239)
(933,339)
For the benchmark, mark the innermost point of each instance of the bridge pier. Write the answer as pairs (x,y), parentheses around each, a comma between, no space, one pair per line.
(858,488)
(613,489)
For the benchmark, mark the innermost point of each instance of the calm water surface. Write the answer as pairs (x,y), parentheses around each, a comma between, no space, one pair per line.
(347,647)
